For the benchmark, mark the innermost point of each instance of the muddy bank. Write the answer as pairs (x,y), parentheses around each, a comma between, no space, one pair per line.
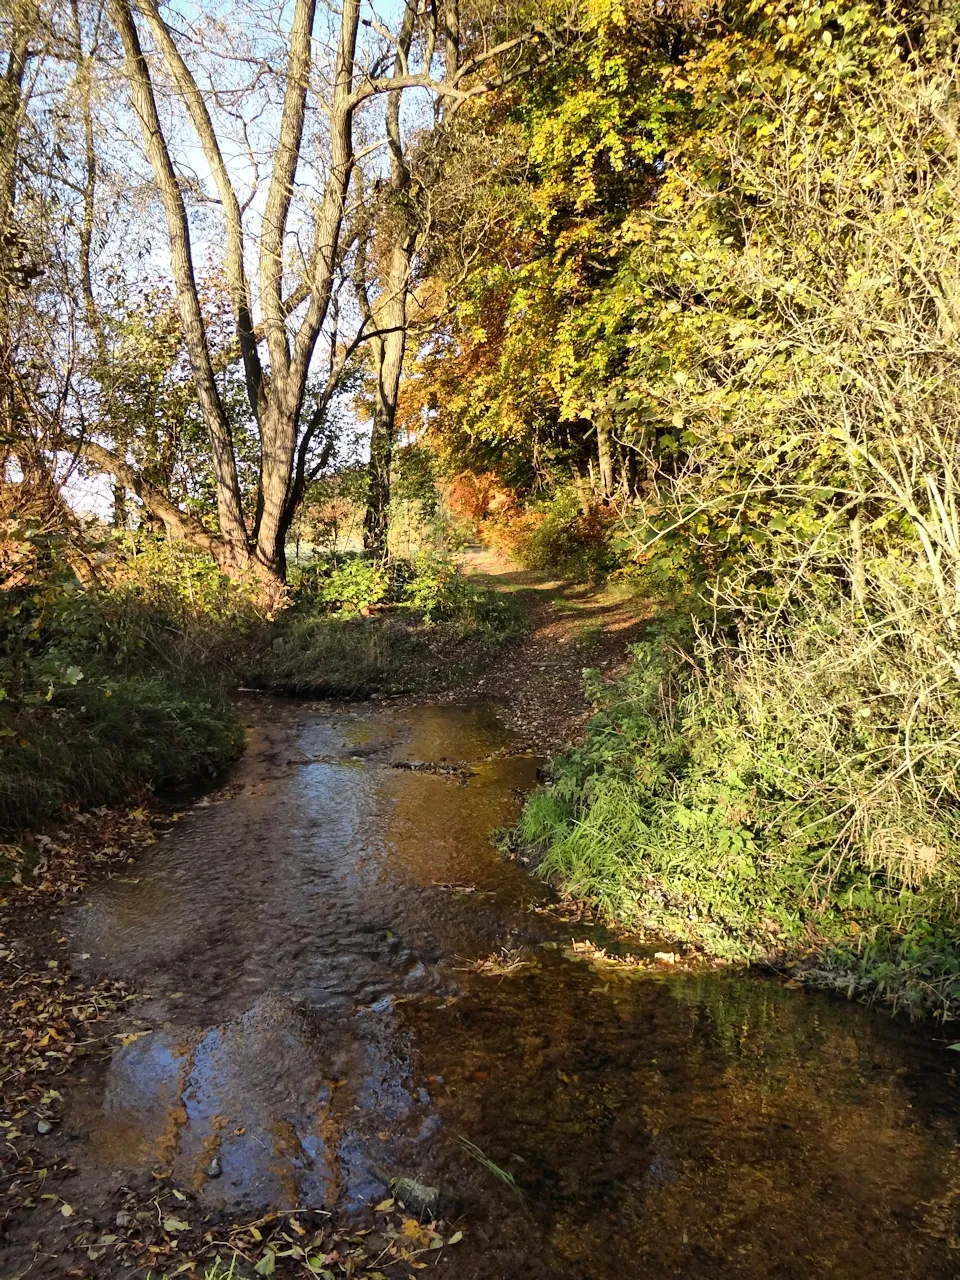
(341,978)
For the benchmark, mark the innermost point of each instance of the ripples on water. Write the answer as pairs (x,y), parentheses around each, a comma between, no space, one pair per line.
(304,941)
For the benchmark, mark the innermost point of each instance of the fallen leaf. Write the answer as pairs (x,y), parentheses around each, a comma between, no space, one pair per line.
(126,1038)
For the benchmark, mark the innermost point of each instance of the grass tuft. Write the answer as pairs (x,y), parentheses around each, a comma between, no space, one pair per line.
(502,1175)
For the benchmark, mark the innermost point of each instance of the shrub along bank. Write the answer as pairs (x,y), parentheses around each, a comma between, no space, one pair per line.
(357,627)
(772,798)
(115,683)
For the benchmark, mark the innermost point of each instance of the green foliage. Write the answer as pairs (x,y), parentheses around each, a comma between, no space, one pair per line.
(349,656)
(105,738)
(116,686)
(554,534)
(737,263)
(436,585)
(415,479)
(756,796)
(347,583)
(430,631)
(159,605)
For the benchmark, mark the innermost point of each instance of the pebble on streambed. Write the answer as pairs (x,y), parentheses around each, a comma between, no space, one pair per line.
(415,1196)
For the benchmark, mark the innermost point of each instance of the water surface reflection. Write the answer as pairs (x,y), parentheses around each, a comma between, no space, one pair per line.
(305,941)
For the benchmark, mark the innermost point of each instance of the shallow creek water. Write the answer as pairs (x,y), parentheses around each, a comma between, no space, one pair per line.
(304,941)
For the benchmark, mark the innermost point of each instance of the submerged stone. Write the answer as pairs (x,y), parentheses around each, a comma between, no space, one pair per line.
(416,1196)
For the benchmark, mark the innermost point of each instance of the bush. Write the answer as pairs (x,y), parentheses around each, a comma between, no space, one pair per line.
(346,583)
(106,739)
(435,585)
(556,536)
(347,657)
(433,627)
(158,605)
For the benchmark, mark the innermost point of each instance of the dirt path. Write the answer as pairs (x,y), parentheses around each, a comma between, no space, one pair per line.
(573,627)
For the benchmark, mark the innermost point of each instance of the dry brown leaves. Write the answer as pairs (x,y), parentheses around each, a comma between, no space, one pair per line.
(162,1231)
(46,1021)
(49,1021)
(307,1244)
(631,963)
(51,868)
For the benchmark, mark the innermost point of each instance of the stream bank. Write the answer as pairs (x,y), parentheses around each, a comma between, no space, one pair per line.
(340,979)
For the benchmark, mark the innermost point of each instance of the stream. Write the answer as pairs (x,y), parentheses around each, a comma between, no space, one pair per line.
(306,941)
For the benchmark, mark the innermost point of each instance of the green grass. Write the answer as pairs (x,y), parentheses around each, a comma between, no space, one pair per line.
(728,796)
(220,1272)
(399,650)
(106,739)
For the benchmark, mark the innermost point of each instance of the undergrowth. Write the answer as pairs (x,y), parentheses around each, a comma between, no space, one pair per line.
(770,795)
(116,655)
(355,628)
(554,534)
(115,684)
(104,741)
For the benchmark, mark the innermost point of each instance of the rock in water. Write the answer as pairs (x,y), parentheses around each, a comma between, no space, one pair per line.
(416,1196)
(214,1168)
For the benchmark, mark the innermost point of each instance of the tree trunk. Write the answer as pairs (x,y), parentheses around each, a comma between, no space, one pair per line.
(388,354)
(119,506)
(276,391)
(279,431)
(232,528)
(376,519)
(390,311)
(582,486)
(291,369)
(605,457)
(276,405)
(16,271)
